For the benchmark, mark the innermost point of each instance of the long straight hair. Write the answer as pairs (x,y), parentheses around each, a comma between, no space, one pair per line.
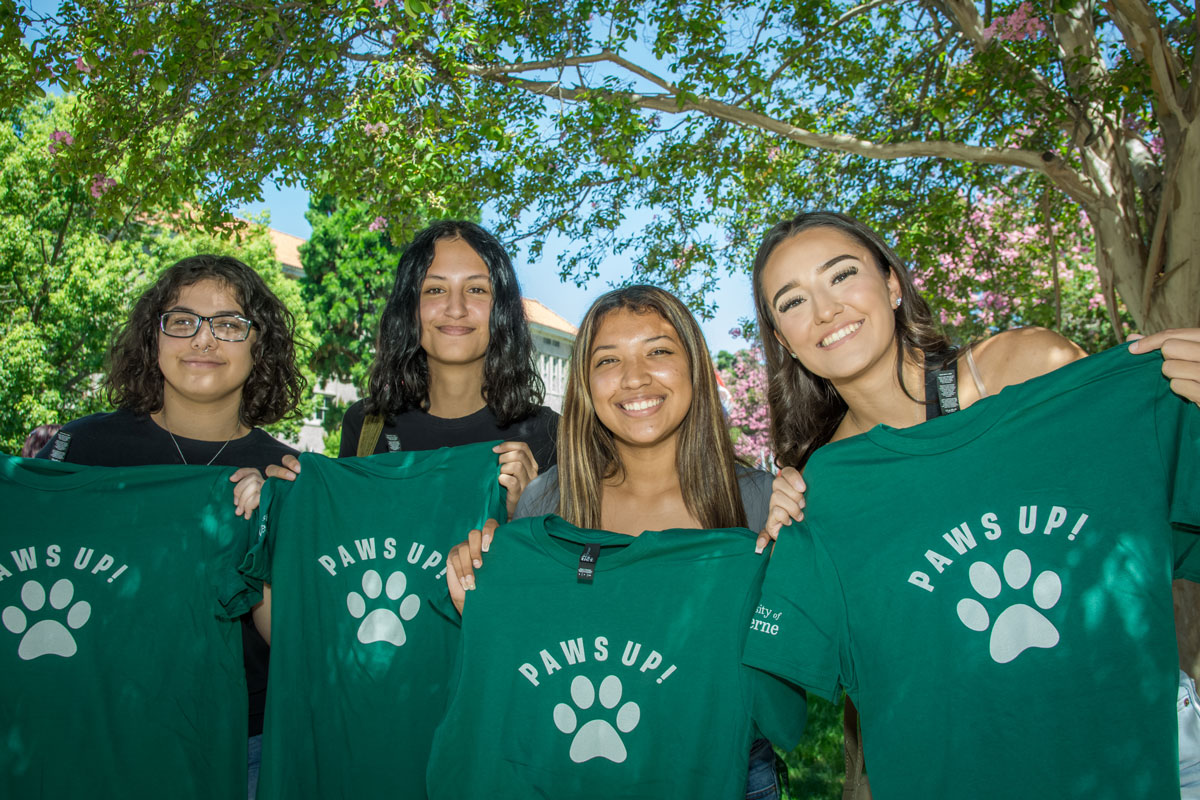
(805,408)
(399,379)
(587,451)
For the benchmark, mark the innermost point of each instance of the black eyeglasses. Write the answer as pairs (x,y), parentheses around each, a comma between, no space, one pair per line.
(185,325)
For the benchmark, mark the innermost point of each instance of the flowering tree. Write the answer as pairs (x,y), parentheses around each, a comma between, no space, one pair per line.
(1014,264)
(745,377)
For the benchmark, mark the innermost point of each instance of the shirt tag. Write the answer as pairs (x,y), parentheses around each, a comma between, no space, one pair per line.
(587,562)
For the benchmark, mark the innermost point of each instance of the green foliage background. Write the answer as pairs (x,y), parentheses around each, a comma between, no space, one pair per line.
(70,271)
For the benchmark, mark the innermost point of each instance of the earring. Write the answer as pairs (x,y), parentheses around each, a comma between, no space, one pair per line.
(898,300)
(794,357)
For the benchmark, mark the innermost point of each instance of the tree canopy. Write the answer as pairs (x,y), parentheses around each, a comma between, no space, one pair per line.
(717,118)
(69,273)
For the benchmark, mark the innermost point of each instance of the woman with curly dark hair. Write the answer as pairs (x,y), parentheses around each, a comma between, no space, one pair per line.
(454,361)
(206,357)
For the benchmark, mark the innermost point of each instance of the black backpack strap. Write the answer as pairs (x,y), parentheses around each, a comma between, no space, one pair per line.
(941,385)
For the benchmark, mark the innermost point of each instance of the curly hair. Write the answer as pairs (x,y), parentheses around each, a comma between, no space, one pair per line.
(587,451)
(399,379)
(805,408)
(275,386)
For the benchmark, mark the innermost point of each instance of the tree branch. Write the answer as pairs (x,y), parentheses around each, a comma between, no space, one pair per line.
(964,17)
(1139,26)
(1154,263)
(496,70)
(787,62)
(1066,179)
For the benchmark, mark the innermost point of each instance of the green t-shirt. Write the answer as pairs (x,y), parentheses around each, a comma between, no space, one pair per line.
(993,588)
(355,551)
(630,686)
(122,652)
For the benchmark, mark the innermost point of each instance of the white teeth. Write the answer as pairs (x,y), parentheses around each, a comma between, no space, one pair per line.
(840,334)
(641,405)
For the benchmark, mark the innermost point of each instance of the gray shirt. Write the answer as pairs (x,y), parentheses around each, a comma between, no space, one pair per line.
(541,495)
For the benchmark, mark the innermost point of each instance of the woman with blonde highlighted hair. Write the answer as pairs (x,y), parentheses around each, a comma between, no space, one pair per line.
(642,445)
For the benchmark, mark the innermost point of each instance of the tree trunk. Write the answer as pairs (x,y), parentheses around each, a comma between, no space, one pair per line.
(1175,297)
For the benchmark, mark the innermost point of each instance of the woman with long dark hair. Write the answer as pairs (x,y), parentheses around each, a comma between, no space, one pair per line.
(205,359)
(643,445)
(454,360)
(850,344)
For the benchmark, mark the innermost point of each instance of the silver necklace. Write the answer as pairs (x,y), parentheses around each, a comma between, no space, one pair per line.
(178,450)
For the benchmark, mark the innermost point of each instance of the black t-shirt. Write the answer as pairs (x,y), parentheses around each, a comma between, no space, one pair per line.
(419,430)
(125,439)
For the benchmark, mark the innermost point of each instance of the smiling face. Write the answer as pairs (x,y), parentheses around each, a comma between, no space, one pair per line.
(204,369)
(456,305)
(639,379)
(831,304)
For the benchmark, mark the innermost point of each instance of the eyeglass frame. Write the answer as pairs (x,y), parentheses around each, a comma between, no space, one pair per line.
(251,325)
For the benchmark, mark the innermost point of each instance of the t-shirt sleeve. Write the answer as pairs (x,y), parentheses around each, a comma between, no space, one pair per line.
(799,630)
(236,593)
(256,567)
(540,496)
(779,709)
(543,441)
(755,486)
(352,423)
(59,446)
(1178,422)
(1178,428)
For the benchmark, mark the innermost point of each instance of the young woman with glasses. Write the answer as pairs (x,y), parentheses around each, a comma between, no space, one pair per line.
(206,358)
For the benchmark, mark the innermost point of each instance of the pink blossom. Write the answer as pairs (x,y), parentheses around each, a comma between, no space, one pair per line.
(101,184)
(380,3)
(375,128)
(138,52)
(83,66)
(60,140)
(1020,24)
(377,224)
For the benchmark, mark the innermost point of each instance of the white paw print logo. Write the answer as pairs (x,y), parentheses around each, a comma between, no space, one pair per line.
(46,637)
(1019,626)
(597,738)
(383,624)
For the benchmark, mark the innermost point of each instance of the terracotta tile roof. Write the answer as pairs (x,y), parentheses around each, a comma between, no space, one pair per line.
(538,313)
(287,248)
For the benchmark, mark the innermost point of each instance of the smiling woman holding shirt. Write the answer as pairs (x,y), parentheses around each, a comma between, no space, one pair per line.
(850,344)
(454,361)
(643,447)
(206,357)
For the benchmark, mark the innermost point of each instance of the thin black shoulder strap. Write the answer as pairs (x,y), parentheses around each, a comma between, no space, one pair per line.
(941,387)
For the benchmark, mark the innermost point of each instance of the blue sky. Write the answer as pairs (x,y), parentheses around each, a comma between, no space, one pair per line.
(540,281)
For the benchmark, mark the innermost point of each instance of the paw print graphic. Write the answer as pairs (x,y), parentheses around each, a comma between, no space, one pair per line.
(597,738)
(1019,626)
(383,624)
(46,637)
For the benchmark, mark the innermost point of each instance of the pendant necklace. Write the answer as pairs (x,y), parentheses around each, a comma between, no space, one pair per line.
(180,451)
